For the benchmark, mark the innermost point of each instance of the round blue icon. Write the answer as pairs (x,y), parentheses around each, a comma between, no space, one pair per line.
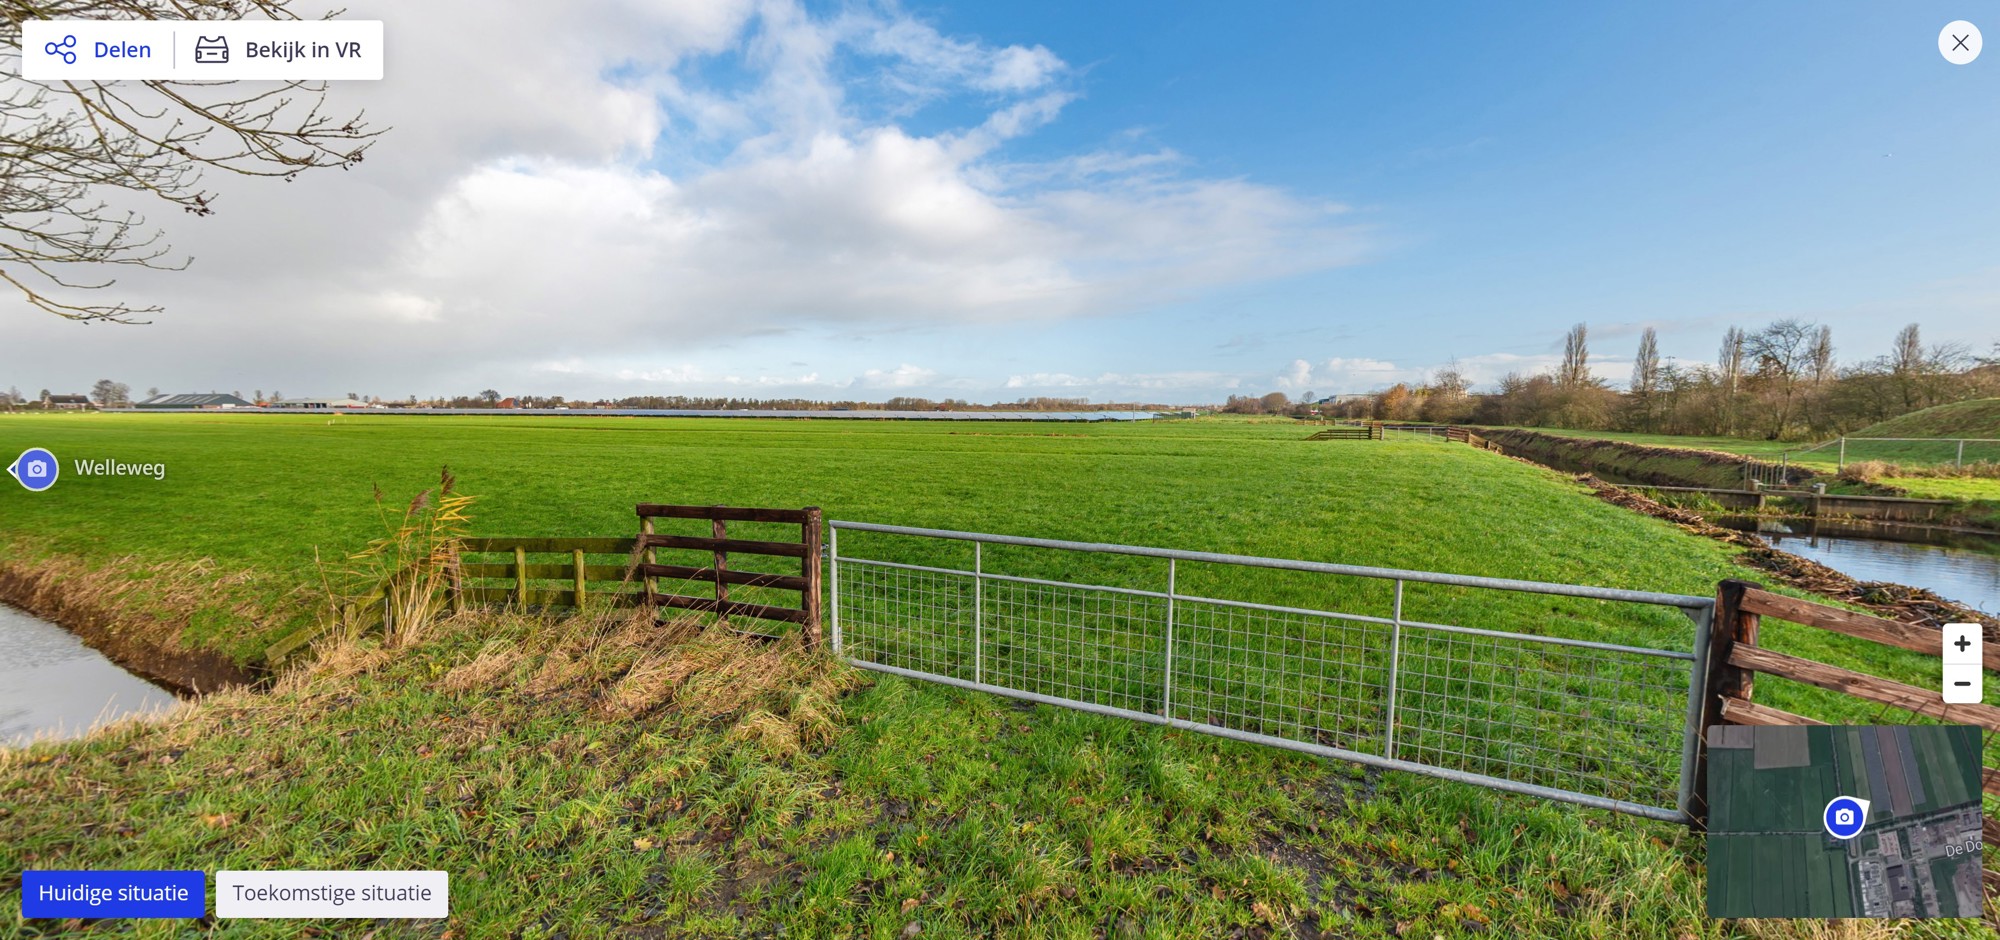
(35,468)
(1845,815)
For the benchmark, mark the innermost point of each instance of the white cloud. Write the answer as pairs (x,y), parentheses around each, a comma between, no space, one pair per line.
(1119,383)
(904,376)
(1298,375)
(601,195)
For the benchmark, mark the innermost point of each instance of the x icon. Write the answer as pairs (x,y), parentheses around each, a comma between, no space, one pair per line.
(1961,43)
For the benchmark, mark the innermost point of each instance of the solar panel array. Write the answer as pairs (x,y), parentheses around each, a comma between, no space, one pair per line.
(854,414)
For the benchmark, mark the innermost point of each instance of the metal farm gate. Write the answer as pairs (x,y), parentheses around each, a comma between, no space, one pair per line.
(1376,682)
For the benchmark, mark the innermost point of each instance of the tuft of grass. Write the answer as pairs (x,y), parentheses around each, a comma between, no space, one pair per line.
(410,568)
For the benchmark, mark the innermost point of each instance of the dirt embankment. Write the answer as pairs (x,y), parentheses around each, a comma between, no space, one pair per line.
(1634,463)
(139,632)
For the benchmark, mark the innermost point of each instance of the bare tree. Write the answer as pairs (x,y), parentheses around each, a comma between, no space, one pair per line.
(1729,366)
(1645,379)
(1646,365)
(1447,397)
(69,150)
(1822,356)
(1575,370)
(1907,357)
(1783,352)
(108,393)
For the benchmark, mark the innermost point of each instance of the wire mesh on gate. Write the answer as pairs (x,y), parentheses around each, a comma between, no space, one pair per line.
(1568,717)
(1606,722)
(1086,645)
(1304,677)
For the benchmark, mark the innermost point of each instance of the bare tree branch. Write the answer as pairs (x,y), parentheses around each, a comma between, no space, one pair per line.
(68,148)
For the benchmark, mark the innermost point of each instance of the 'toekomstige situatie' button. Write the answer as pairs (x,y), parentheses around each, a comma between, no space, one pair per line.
(371,894)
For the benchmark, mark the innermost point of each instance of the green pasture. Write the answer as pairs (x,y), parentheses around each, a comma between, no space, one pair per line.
(960,813)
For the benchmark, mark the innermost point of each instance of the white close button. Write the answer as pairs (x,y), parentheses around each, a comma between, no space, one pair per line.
(1964,663)
(1959,42)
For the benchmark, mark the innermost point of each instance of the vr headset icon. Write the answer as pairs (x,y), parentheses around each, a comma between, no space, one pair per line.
(207,51)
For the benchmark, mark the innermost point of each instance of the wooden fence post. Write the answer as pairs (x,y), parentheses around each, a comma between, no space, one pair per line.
(521,577)
(650,584)
(578,555)
(1730,626)
(718,529)
(810,567)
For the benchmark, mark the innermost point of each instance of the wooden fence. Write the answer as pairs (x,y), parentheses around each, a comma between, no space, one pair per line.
(1375,430)
(1735,659)
(718,573)
(546,572)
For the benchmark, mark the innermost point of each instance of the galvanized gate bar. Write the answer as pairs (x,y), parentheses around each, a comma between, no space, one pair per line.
(1277,608)
(1688,601)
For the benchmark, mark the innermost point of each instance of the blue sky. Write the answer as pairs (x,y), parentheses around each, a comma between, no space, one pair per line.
(1522,168)
(1154,201)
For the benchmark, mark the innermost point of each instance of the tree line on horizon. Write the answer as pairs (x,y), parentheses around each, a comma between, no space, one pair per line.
(1780,382)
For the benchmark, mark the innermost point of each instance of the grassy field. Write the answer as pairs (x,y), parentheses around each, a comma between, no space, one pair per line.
(269,494)
(599,778)
(1977,418)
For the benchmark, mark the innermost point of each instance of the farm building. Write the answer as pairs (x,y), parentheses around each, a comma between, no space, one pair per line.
(67,402)
(210,400)
(319,404)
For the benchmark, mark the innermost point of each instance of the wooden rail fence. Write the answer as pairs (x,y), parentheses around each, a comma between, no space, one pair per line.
(718,573)
(1375,430)
(1735,659)
(546,572)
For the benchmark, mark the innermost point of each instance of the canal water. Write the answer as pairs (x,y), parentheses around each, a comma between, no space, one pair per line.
(53,686)
(1961,567)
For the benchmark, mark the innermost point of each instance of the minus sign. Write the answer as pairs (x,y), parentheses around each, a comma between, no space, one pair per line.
(1961,683)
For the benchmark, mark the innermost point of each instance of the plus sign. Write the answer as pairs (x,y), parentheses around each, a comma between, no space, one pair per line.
(1962,644)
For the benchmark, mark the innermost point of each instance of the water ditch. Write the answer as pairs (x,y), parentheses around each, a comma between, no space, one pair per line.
(52,686)
(1960,566)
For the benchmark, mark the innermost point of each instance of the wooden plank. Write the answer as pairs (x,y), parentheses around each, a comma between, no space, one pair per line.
(1990,781)
(721,513)
(704,543)
(1736,711)
(554,597)
(1909,636)
(786,582)
(730,608)
(536,545)
(1869,688)
(548,572)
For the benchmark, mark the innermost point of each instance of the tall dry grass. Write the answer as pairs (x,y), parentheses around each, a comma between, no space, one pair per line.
(404,578)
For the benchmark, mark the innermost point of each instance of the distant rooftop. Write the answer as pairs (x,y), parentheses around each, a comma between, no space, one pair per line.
(210,400)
